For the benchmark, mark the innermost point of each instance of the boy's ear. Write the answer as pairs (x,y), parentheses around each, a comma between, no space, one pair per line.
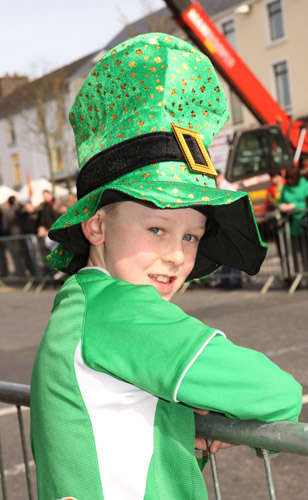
(92,229)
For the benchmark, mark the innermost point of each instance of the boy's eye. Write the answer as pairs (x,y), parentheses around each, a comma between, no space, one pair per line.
(189,237)
(155,230)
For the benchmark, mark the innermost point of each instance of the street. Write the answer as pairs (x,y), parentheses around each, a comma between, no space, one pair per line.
(275,324)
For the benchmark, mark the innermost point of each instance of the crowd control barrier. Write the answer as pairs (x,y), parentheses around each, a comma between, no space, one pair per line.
(287,238)
(288,437)
(22,260)
(17,395)
(286,262)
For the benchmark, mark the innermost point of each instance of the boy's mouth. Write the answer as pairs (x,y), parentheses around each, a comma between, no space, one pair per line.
(162,278)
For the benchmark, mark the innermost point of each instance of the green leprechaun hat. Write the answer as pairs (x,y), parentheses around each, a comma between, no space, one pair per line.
(142,121)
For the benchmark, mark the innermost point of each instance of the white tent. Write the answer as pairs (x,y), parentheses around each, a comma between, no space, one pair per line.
(38,186)
(6,192)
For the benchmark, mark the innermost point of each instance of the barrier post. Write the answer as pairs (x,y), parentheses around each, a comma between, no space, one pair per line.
(284,436)
(3,481)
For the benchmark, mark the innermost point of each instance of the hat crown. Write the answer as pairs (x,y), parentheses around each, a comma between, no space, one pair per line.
(142,86)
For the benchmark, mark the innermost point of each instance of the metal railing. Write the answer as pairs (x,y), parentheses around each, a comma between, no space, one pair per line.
(287,259)
(286,262)
(288,437)
(22,260)
(19,396)
(284,436)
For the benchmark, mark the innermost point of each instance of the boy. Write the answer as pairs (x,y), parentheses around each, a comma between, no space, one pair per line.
(120,368)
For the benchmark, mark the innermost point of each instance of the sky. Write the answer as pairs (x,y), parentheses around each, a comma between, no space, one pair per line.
(37,36)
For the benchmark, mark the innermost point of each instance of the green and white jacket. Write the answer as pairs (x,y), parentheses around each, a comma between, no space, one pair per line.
(114,381)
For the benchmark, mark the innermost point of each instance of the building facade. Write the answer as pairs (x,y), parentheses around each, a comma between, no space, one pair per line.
(269,35)
(35,136)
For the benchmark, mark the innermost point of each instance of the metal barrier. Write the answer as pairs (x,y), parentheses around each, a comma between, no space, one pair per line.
(288,437)
(286,261)
(17,395)
(22,260)
(287,258)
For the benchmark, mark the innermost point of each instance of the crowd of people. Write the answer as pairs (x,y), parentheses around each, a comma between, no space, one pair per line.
(286,197)
(18,220)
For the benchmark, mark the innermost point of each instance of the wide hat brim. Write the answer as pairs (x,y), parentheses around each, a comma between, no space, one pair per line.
(232,236)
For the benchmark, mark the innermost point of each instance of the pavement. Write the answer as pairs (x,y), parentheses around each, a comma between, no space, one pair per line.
(274,323)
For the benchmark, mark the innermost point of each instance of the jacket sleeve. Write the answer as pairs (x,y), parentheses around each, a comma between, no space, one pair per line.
(132,334)
(241,383)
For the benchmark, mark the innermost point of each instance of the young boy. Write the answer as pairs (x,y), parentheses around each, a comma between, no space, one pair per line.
(120,369)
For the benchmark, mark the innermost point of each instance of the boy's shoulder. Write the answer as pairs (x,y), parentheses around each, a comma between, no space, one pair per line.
(102,295)
(94,282)
(129,299)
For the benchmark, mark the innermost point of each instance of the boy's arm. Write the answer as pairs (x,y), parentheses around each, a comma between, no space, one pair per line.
(131,333)
(241,383)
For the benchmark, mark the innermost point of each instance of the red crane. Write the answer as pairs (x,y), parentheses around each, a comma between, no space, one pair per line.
(201,29)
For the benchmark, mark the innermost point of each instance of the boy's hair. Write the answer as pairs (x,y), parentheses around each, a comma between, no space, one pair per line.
(111,209)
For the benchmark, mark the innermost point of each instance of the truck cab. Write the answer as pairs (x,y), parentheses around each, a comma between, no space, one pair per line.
(253,154)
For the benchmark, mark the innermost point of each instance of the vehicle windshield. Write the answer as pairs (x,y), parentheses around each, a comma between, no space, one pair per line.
(258,151)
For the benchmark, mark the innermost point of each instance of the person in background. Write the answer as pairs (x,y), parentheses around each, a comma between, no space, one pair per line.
(3,263)
(51,245)
(293,203)
(222,183)
(60,207)
(12,224)
(46,217)
(29,218)
(47,214)
(274,191)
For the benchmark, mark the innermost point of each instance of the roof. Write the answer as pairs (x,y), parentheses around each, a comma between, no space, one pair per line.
(215,7)
(160,21)
(23,96)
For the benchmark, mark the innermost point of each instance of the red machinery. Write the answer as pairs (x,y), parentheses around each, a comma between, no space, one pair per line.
(200,28)
(253,153)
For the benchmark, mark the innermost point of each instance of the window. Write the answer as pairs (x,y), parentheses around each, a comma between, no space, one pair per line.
(274,10)
(236,108)
(11,136)
(228,29)
(282,84)
(59,161)
(56,155)
(16,170)
(256,151)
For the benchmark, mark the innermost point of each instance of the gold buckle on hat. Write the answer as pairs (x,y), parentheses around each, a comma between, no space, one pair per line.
(208,168)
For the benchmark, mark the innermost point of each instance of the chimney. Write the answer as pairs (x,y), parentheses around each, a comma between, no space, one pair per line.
(9,83)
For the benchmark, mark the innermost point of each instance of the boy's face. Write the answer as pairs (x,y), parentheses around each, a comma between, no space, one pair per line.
(149,246)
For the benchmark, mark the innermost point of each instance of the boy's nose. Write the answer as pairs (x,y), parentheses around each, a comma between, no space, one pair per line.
(174,254)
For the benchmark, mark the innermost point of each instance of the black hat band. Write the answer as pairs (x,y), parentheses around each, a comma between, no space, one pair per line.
(131,154)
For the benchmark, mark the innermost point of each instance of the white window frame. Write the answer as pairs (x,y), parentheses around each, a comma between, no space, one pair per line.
(283,38)
(289,108)
(220,24)
(10,132)
(16,170)
(225,20)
